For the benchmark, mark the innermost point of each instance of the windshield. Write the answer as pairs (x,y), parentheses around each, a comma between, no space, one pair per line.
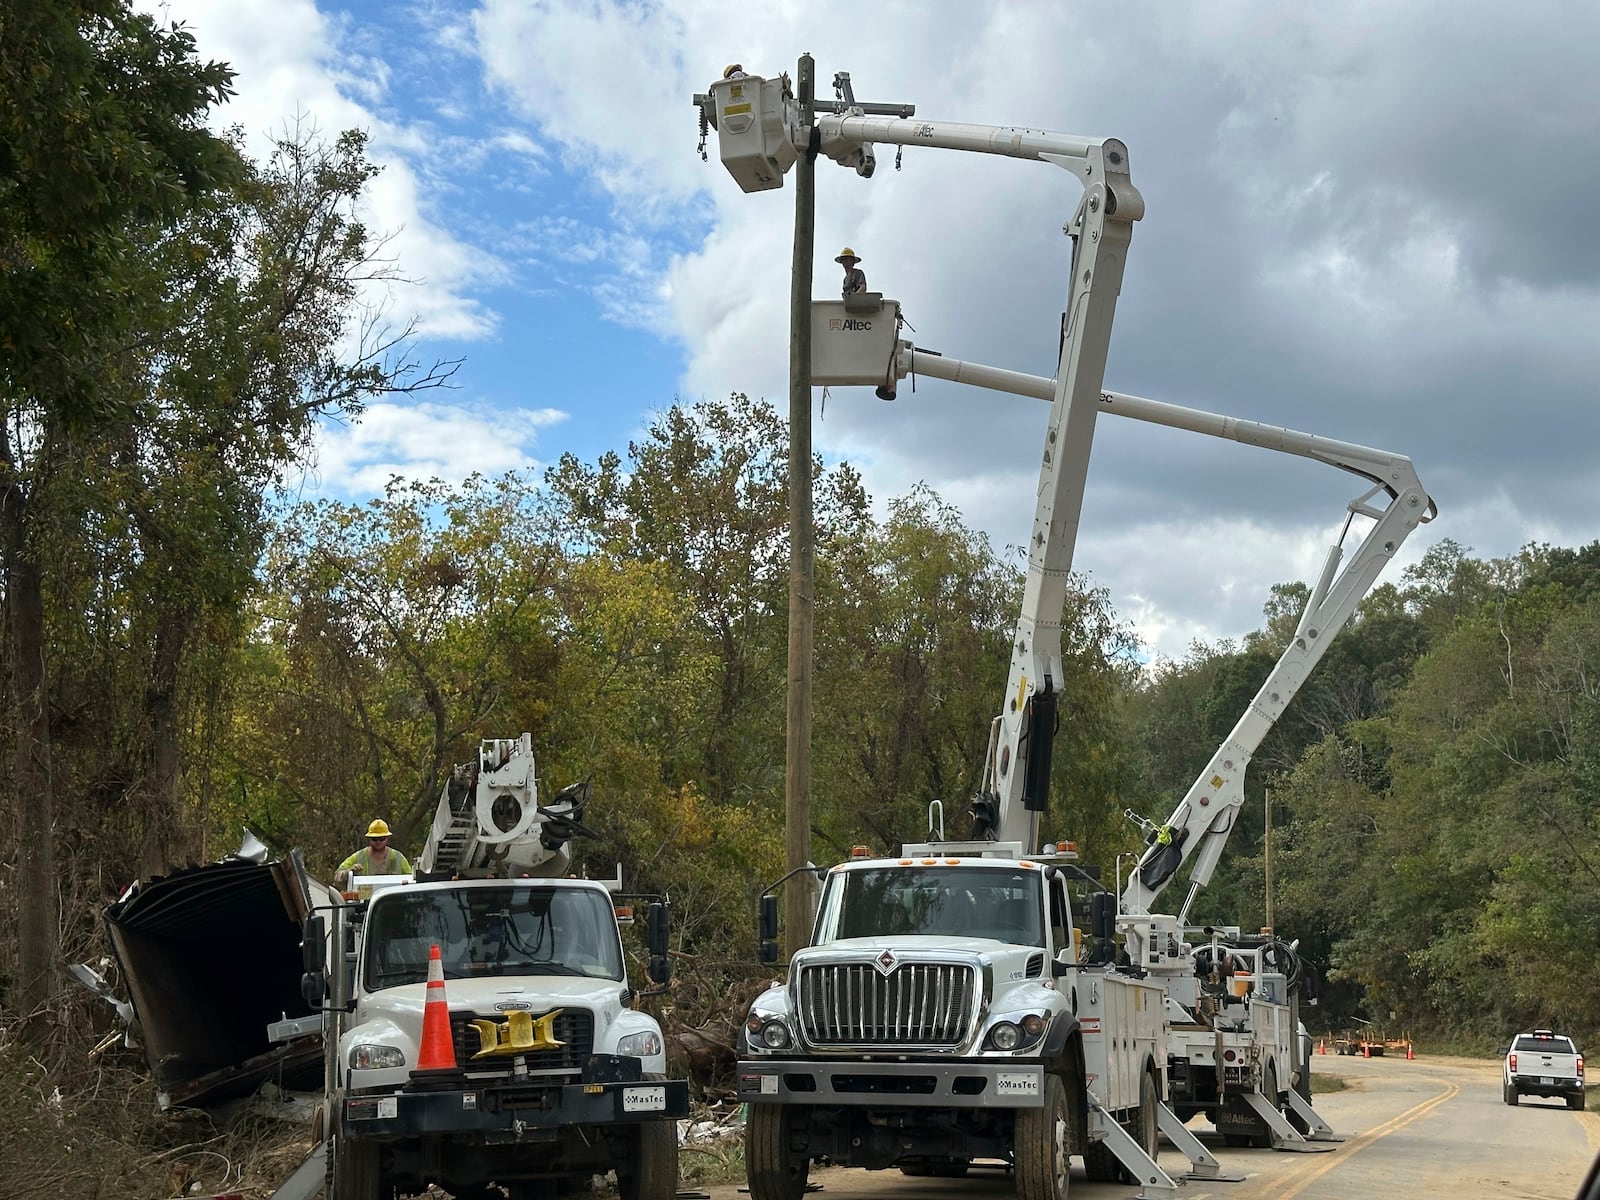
(982,902)
(488,931)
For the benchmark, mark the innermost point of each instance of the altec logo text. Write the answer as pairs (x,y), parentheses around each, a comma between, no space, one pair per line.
(848,325)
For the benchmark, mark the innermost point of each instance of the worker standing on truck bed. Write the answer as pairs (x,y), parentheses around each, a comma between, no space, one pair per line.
(375,858)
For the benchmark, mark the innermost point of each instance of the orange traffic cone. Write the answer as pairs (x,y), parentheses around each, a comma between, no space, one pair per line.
(1322,1046)
(1410,1053)
(437,1052)
(1366,1050)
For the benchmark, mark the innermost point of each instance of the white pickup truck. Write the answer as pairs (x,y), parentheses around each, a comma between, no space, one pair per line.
(1542,1063)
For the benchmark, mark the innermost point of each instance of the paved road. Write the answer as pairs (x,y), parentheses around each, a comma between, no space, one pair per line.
(1413,1130)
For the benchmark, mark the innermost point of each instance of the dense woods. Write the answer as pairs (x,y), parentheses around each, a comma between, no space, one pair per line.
(188,652)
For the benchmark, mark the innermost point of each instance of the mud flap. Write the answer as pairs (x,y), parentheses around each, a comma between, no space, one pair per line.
(1317,1130)
(1202,1163)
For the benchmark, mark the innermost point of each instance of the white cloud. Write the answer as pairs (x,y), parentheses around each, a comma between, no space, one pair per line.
(425,441)
(293,62)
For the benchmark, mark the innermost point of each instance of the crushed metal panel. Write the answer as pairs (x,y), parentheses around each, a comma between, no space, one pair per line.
(211,957)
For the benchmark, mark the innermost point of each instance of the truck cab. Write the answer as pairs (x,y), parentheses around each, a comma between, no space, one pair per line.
(553,1075)
(940,1016)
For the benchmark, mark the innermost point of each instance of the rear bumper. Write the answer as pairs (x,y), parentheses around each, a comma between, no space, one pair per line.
(1534,1085)
(507,1113)
(962,1084)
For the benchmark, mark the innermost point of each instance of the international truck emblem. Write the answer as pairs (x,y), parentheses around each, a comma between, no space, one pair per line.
(519,1033)
(886,961)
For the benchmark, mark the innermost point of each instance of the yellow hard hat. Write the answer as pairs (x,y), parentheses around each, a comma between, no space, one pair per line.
(379,828)
(730,69)
(849,254)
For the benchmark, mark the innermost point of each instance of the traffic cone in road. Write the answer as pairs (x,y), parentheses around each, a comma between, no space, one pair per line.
(437,1052)
(1410,1053)
(1322,1046)
(1366,1050)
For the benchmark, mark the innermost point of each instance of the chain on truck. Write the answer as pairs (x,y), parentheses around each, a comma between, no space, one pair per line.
(539,1072)
(946,1010)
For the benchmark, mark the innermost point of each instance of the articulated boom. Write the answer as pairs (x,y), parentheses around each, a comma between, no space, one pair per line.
(1199,826)
(489,821)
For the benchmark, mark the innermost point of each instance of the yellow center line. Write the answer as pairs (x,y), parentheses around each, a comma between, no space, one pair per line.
(1359,1143)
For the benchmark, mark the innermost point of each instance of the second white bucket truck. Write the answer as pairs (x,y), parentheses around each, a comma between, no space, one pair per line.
(1235,1053)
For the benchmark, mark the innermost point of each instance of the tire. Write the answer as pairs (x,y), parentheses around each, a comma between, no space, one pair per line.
(653,1175)
(770,1167)
(353,1172)
(1508,1093)
(1042,1146)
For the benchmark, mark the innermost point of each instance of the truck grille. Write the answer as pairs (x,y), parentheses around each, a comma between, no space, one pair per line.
(574,1027)
(856,1004)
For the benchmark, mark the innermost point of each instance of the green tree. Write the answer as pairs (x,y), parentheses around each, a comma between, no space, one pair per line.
(104,117)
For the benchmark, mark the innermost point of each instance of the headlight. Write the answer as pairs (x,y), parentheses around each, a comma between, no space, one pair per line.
(641,1045)
(766,1033)
(369,1057)
(1005,1036)
(1010,1034)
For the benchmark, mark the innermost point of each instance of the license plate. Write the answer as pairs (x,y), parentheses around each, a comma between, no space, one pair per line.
(1546,1080)
(1016,1085)
(644,1099)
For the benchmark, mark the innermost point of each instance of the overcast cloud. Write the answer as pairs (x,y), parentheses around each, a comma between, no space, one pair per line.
(1365,220)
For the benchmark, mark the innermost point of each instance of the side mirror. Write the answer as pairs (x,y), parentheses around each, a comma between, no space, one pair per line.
(1103,915)
(769,928)
(657,928)
(314,988)
(313,944)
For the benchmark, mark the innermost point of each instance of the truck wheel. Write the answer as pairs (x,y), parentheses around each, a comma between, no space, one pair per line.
(353,1169)
(770,1167)
(1042,1148)
(653,1174)
(1508,1093)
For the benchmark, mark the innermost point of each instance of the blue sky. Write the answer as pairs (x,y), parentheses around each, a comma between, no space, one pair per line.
(1368,221)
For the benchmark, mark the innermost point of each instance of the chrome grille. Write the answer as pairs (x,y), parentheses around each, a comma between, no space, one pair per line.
(926,1004)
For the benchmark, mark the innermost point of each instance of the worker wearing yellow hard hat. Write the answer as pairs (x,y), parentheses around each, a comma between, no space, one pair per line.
(855,279)
(733,71)
(376,857)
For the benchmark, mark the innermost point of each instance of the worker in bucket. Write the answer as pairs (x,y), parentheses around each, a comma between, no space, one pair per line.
(375,858)
(855,279)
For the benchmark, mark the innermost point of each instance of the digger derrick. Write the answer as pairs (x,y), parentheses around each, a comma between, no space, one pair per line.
(489,822)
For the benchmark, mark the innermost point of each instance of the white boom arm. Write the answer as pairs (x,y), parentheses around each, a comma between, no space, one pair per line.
(1199,827)
(759,134)
(489,821)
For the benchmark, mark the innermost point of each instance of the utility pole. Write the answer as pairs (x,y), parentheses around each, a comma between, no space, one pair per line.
(797,898)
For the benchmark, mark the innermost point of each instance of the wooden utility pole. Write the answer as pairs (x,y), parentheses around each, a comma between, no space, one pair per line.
(797,897)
